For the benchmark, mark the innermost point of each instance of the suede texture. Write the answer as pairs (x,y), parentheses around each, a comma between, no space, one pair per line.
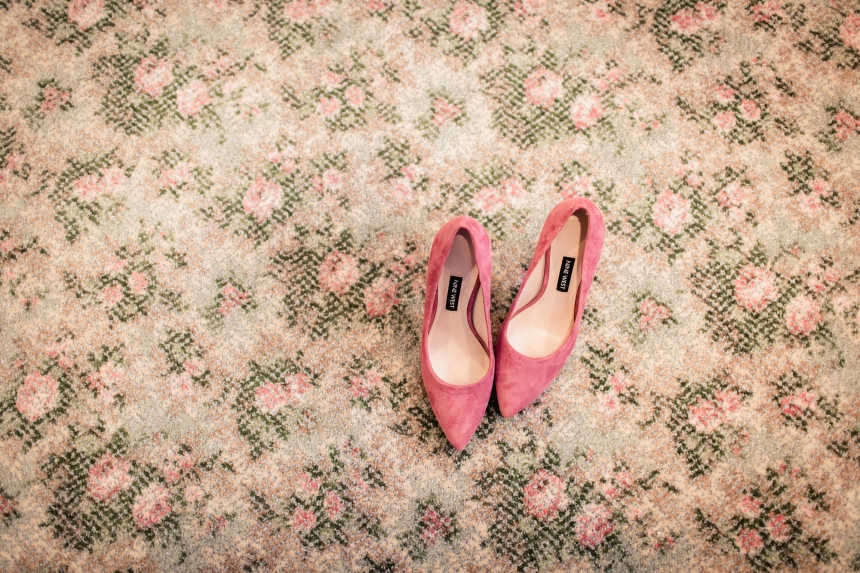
(459,409)
(521,379)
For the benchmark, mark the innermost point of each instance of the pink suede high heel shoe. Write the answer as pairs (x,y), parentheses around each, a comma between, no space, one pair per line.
(456,349)
(541,327)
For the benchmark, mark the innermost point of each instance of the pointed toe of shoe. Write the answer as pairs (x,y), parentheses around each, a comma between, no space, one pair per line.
(509,410)
(516,391)
(459,409)
(521,380)
(458,437)
(460,413)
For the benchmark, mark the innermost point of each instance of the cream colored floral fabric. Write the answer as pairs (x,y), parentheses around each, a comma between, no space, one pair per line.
(215,218)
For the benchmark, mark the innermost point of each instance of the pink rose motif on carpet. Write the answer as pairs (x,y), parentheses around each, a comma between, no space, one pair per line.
(89,188)
(401,191)
(309,484)
(298,383)
(845,125)
(108,381)
(232,298)
(729,402)
(337,273)
(467,20)
(530,9)
(686,22)
(750,110)
(138,282)
(444,111)
(37,396)
(301,11)
(594,525)
(331,181)
(749,542)
(192,98)
(262,198)
(689,21)
(152,506)
(355,96)
(113,177)
(173,177)
(799,404)
(328,107)
(333,79)
(708,415)
(115,264)
(766,11)
(434,526)
(543,87)
(361,387)
(108,478)
(802,315)
(735,199)
(671,212)
(85,14)
(625,480)
(619,382)
(7,506)
(152,75)
(755,288)
(578,188)
(489,200)
(849,31)
(544,496)
(172,473)
(724,94)
(272,397)
(303,520)
(512,190)
(778,528)
(586,110)
(334,506)
(725,121)
(705,416)
(52,98)
(750,506)
(820,187)
(376,6)
(111,295)
(59,351)
(652,315)
(380,297)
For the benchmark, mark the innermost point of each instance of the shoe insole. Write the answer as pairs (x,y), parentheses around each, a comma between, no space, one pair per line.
(456,354)
(547,309)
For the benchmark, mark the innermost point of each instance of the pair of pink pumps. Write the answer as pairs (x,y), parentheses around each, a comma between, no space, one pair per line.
(458,362)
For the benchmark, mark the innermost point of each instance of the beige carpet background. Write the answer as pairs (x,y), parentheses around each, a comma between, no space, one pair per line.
(214,222)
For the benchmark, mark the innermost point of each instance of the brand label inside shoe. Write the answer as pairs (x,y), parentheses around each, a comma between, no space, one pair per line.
(565,273)
(453,298)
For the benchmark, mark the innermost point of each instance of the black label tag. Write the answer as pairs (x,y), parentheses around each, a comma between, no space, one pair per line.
(565,273)
(453,298)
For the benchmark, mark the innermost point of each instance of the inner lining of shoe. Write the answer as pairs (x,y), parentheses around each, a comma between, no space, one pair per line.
(544,314)
(458,339)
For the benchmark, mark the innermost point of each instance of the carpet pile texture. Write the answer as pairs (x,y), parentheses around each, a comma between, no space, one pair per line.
(215,218)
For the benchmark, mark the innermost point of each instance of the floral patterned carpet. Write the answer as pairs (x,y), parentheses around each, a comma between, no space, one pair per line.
(215,218)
